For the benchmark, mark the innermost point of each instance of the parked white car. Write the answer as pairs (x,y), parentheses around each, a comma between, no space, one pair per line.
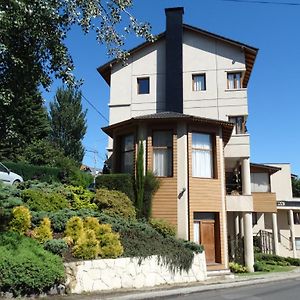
(8,177)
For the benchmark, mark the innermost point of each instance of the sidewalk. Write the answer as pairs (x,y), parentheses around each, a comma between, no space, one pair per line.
(177,290)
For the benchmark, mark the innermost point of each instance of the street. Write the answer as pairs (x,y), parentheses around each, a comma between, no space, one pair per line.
(279,290)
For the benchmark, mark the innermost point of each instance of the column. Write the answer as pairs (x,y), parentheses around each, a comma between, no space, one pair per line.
(275,233)
(246,179)
(236,224)
(292,230)
(248,241)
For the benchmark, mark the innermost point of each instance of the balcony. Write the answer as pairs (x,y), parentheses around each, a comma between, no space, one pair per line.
(264,202)
(239,203)
(238,146)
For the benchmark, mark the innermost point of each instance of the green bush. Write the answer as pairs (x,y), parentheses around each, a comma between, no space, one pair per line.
(29,172)
(60,218)
(43,233)
(293,261)
(86,246)
(237,268)
(58,246)
(81,198)
(139,239)
(117,182)
(91,223)
(21,220)
(163,227)
(38,200)
(261,267)
(114,203)
(25,267)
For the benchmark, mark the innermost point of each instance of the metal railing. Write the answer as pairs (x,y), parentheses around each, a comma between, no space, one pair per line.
(264,241)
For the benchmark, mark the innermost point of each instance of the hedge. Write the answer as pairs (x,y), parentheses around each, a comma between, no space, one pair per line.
(29,172)
(118,182)
(25,267)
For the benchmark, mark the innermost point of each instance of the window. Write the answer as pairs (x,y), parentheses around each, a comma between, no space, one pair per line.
(240,124)
(297,218)
(199,82)
(260,182)
(3,169)
(127,153)
(202,155)
(254,218)
(297,242)
(143,85)
(234,80)
(162,153)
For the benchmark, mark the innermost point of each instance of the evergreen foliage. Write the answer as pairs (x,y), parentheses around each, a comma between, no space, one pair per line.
(163,227)
(140,181)
(21,220)
(296,187)
(68,123)
(57,246)
(25,267)
(43,232)
(74,228)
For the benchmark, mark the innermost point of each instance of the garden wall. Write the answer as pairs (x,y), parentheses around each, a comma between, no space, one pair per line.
(107,274)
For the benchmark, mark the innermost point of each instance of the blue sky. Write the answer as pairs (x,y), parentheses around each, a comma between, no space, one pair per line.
(273,90)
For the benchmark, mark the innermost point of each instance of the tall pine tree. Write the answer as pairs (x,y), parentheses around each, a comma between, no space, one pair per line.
(68,122)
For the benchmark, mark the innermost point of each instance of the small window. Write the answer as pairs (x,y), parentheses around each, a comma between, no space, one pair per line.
(162,153)
(127,153)
(234,80)
(297,218)
(240,124)
(199,82)
(143,85)
(297,242)
(254,218)
(202,155)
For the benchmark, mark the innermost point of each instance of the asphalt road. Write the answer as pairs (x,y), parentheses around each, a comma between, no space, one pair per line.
(280,290)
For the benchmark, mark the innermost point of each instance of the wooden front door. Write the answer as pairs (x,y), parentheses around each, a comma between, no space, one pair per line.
(207,239)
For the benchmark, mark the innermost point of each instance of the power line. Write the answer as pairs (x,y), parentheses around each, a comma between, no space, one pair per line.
(94,107)
(264,2)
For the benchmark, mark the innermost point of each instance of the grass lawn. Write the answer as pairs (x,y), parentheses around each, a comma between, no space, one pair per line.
(273,269)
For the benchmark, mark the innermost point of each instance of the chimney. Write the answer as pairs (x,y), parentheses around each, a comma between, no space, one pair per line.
(174,82)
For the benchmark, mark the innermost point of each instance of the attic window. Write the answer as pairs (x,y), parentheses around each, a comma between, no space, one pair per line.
(143,85)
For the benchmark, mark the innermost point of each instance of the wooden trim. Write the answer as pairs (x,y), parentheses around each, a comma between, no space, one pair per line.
(264,202)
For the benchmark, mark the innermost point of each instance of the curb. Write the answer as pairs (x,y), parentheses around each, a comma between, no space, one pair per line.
(154,294)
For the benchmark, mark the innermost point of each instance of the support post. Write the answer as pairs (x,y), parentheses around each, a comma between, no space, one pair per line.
(248,241)
(275,233)
(292,230)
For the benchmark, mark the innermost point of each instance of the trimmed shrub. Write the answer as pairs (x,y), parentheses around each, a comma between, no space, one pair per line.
(110,245)
(21,220)
(237,268)
(39,200)
(114,203)
(74,228)
(58,246)
(81,198)
(293,261)
(25,267)
(117,182)
(29,172)
(163,227)
(261,267)
(86,246)
(92,224)
(43,233)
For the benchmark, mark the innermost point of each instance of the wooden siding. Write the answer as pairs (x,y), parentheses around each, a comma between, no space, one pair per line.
(264,202)
(205,194)
(164,203)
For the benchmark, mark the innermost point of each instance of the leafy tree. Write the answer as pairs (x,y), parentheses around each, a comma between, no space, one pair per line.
(68,123)
(296,187)
(32,52)
(140,180)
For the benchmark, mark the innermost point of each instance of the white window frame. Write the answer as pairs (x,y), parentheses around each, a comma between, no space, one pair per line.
(197,87)
(237,83)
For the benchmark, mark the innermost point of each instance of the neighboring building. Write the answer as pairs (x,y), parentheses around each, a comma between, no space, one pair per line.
(185,97)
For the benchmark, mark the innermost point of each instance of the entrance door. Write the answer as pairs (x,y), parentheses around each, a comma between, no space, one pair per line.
(207,239)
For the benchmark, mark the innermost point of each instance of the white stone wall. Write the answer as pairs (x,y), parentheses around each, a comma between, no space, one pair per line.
(108,274)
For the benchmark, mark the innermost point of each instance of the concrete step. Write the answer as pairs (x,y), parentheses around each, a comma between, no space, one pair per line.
(219,275)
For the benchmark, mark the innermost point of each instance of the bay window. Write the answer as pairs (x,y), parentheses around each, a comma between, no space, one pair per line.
(162,153)
(202,155)
(127,153)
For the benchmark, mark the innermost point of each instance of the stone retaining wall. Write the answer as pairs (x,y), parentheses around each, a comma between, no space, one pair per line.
(107,274)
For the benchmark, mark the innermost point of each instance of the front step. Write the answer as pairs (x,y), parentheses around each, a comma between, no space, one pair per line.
(219,275)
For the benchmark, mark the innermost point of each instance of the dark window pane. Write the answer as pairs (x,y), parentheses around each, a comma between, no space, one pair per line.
(143,85)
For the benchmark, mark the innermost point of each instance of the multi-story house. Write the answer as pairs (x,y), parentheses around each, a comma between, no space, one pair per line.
(184,97)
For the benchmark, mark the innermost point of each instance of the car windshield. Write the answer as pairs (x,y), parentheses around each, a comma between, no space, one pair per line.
(3,168)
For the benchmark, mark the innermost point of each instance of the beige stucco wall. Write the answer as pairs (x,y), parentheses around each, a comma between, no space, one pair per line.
(281,183)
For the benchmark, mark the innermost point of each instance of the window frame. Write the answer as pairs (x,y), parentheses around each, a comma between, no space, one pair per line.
(193,82)
(138,85)
(297,214)
(244,127)
(164,148)
(234,73)
(213,153)
(297,239)
(123,152)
